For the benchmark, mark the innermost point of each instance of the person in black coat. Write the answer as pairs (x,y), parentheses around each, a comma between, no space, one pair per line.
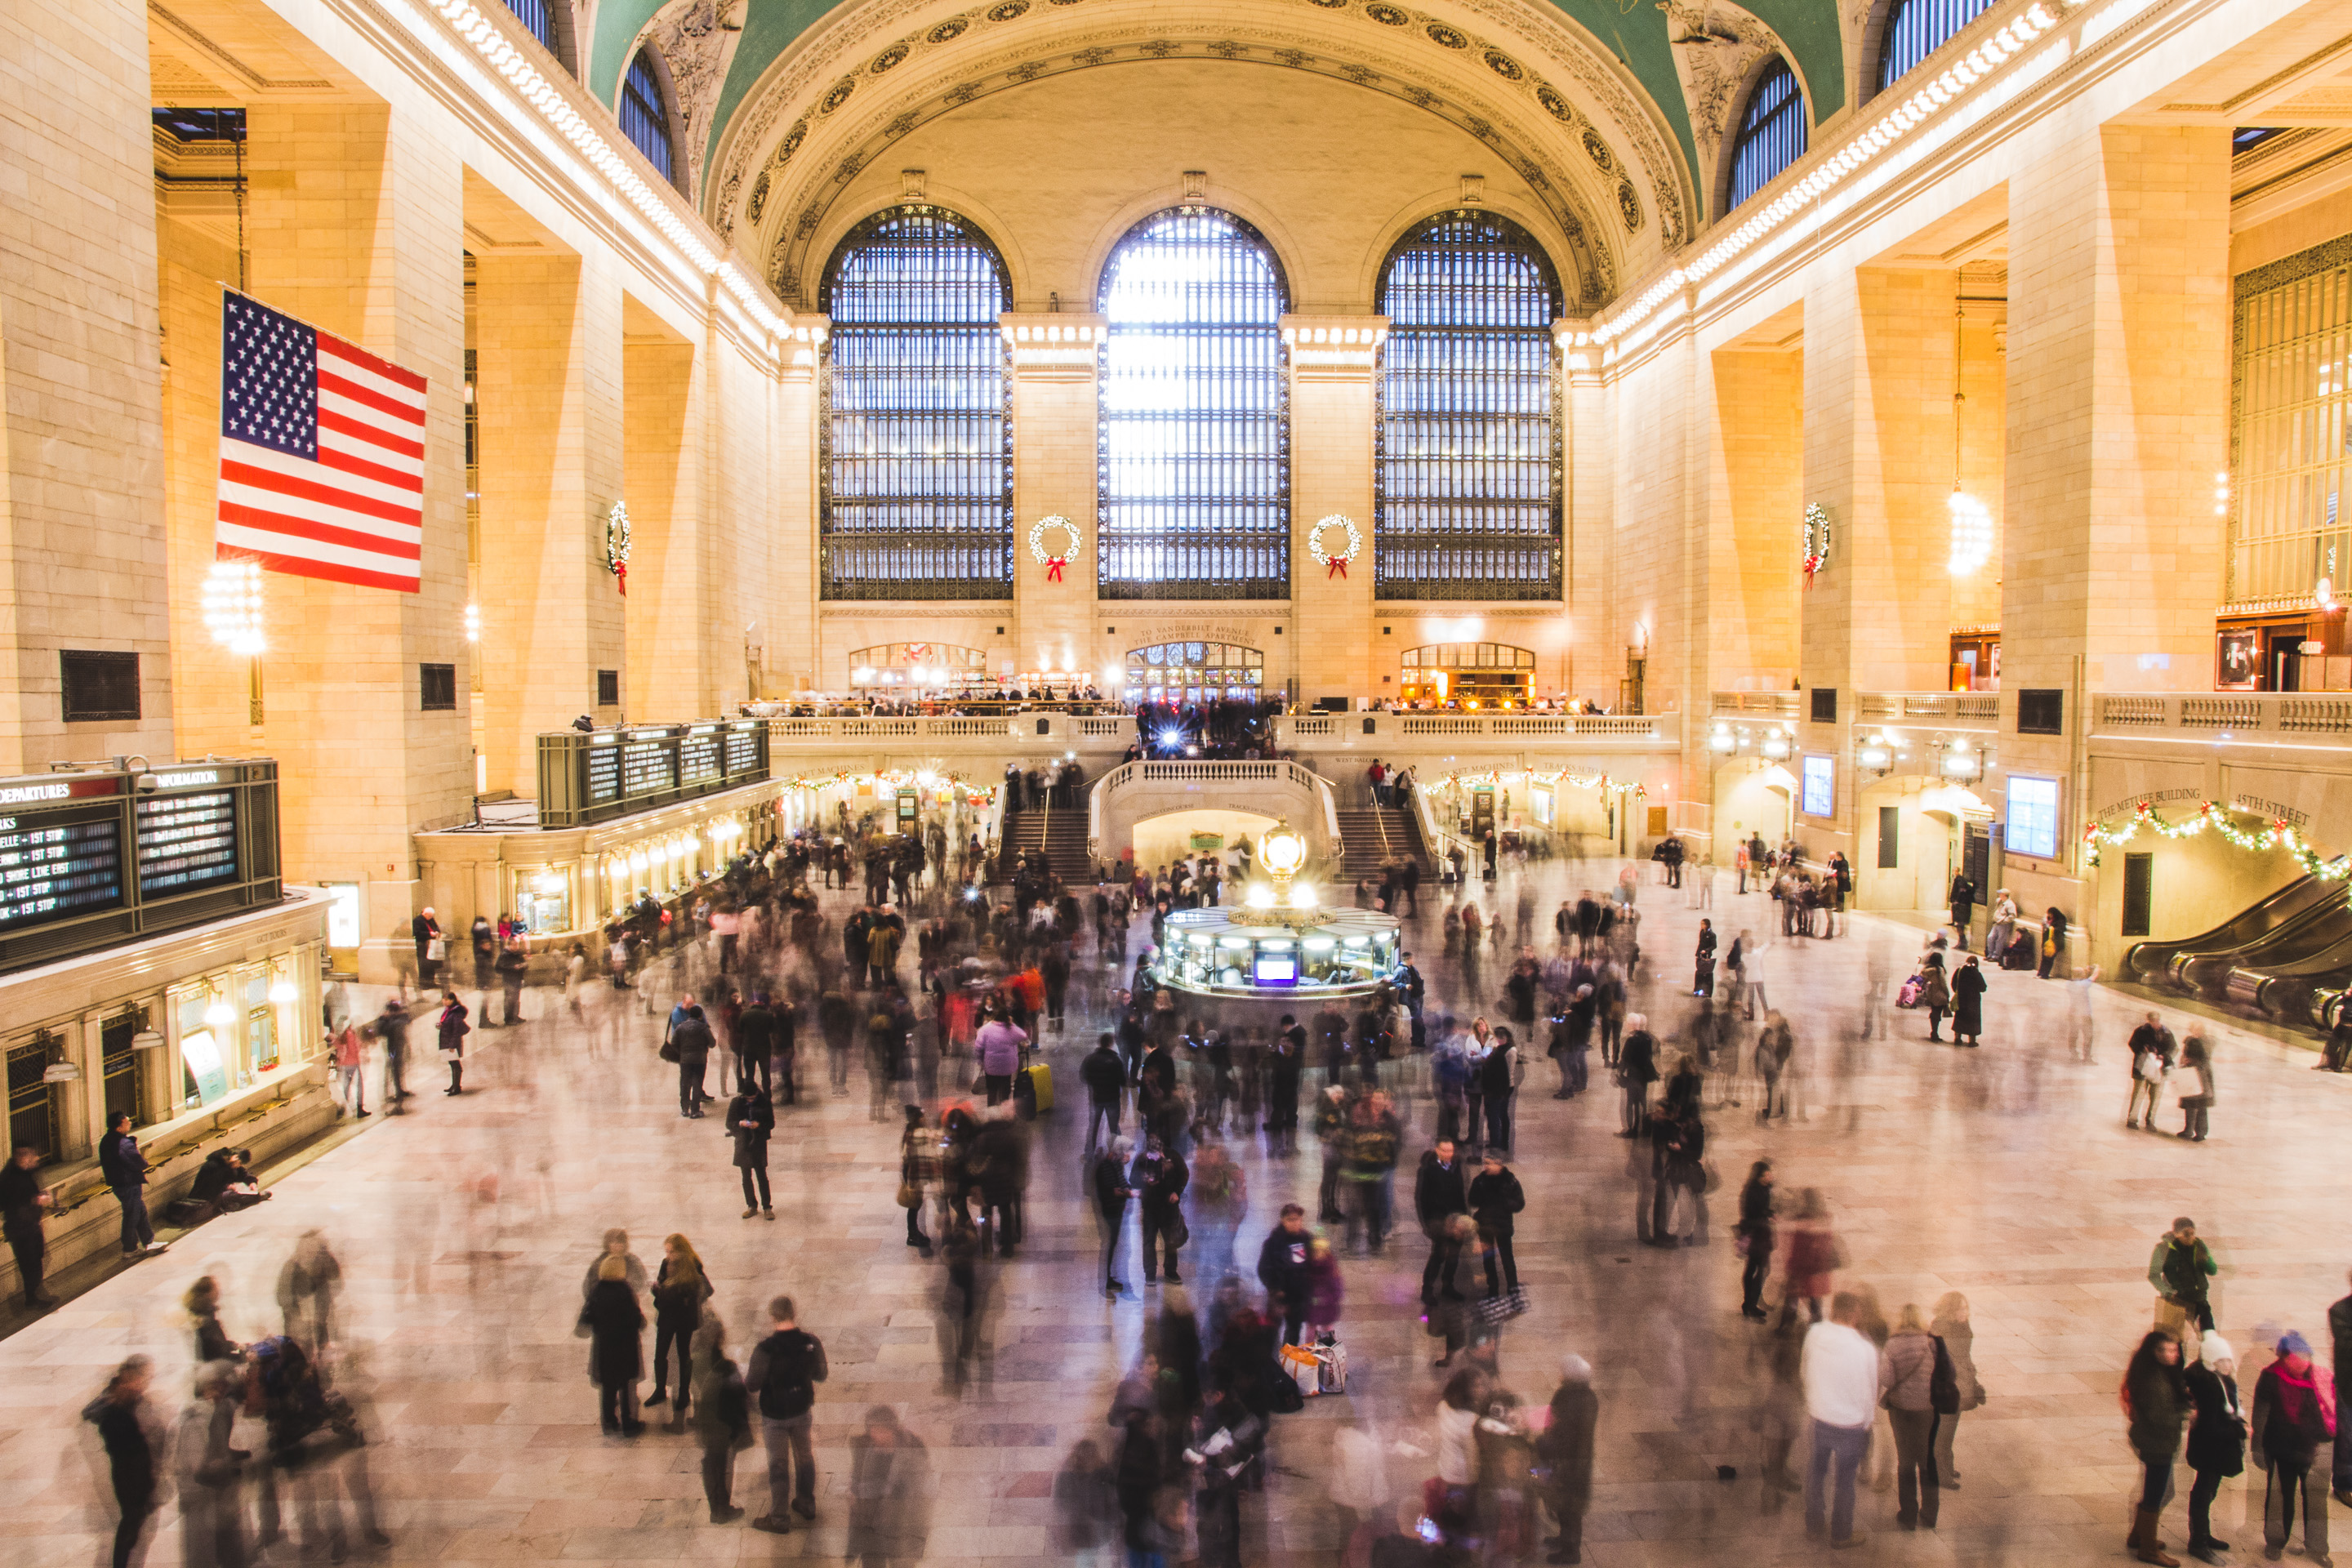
(1755,1233)
(1105,1077)
(1281,1269)
(1494,1197)
(755,1042)
(691,1041)
(1159,1178)
(1438,1194)
(1964,905)
(1967,1004)
(123,1423)
(722,1422)
(1111,1192)
(616,1348)
(2217,1440)
(1637,1069)
(1565,1450)
(749,1119)
(679,1291)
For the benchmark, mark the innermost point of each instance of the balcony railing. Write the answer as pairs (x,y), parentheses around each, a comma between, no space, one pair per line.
(1948,709)
(2223,714)
(1312,727)
(1759,705)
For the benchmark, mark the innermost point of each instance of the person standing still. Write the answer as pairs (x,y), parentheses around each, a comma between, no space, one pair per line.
(425,932)
(124,1167)
(2179,1268)
(513,962)
(1565,1449)
(451,1029)
(749,1121)
(782,1377)
(2217,1441)
(2339,1331)
(1439,1193)
(722,1425)
(24,1205)
(1839,1370)
(1964,904)
(2156,1406)
(1755,1233)
(998,1048)
(2291,1422)
(391,1026)
(2151,1058)
(1907,1372)
(692,1039)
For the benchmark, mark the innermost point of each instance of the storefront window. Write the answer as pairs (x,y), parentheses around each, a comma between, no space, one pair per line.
(32,1100)
(207,1026)
(260,1026)
(542,901)
(119,1065)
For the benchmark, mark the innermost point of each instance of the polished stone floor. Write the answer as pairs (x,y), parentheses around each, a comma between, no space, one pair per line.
(2005,1173)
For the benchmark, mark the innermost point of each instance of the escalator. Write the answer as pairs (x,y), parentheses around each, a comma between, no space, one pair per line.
(2300,920)
(2309,990)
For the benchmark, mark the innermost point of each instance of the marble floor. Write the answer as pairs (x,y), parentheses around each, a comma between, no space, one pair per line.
(2005,1173)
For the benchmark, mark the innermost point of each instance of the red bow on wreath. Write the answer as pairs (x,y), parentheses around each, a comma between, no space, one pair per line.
(1053,567)
(1336,565)
(621,574)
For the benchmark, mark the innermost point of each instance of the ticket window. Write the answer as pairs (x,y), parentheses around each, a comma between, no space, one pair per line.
(207,1039)
(119,1066)
(1482,812)
(542,901)
(261,1026)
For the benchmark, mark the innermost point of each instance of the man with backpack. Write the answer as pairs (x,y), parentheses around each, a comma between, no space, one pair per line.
(782,1377)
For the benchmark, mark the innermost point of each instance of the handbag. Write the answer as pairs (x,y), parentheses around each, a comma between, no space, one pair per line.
(1493,1310)
(909,1195)
(435,949)
(585,1327)
(1176,1231)
(2151,1067)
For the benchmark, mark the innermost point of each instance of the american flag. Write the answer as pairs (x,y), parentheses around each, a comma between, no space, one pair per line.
(322,453)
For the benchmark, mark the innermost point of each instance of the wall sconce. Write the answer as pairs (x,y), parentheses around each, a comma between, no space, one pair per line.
(1776,745)
(1963,763)
(1876,754)
(220,1015)
(285,993)
(1722,741)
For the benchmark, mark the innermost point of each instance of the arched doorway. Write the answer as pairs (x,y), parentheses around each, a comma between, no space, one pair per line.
(918,664)
(1194,672)
(1480,674)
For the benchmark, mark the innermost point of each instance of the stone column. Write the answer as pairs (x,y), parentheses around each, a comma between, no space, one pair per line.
(547,379)
(783,499)
(82,554)
(2119,394)
(1591,662)
(672,598)
(1053,625)
(356,224)
(1333,360)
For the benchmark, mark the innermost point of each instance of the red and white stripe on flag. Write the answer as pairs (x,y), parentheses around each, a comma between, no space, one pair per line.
(322,454)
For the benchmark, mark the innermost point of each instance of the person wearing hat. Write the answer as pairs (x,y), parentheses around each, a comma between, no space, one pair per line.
(2294,1417)
(2217,1440)
(2179,1268)
(1565,1450)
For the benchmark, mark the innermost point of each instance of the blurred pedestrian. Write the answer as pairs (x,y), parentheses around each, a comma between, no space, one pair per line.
(1951,1325)
(782,1377)
(1755,1237)
(351,1093)
(679,1291)
(309,1282)
(1085,1509)
(1564,1447)
(1637,1069)
(1907,1372)
(616,1245)
(722,1425)
(1812,1256)
(2155,1409)
(2195,1086)
(391,1026)
(691,1041)
(210,1473)
(1326,1290)
(2294,1417)
(1158,1179)
(131,1433)
(890,1493)
(2339,1331)
(614,1325)
(1496,1199)
(2152,1051)
(749,1121)
(2217,1440)
(1105,1077)
(1839,1368)
(917,1169)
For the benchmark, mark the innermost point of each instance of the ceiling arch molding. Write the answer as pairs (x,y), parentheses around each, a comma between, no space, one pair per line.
(818,117)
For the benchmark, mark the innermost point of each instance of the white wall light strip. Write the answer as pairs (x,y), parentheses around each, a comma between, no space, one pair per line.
(1859,151)
(490,43)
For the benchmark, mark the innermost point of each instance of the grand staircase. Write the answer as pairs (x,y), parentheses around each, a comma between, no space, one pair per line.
(1061,832)
(1373,835)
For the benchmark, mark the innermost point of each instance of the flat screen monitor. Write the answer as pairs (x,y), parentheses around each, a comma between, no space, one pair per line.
(1275,969)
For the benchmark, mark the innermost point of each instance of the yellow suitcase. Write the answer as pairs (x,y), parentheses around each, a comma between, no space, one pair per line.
(1039,1077)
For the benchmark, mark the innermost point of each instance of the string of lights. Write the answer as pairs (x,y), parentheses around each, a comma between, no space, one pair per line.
(2215,816)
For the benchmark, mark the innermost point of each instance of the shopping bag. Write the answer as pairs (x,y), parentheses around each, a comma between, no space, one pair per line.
(1332,1374)
(1303,1367)
(1493,1309)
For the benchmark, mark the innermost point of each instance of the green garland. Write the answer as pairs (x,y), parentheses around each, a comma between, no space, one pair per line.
(2213,814)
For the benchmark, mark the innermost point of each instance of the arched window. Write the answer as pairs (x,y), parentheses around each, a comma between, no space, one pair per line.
(1917,28)
(645,118)
(1194,444)
(1771,133)
(1467,499)
(539,15)
(918,469)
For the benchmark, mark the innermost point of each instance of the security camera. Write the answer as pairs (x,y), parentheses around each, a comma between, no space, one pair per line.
(146,784)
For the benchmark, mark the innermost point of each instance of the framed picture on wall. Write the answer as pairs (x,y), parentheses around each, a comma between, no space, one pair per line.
(2237,659)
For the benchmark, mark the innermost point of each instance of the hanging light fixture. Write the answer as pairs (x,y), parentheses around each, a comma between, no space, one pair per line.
(232,606)
(1971,522)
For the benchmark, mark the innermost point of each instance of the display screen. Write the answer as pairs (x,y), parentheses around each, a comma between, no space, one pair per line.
(698,759)
(1276,969)
(186,841)
(57,868)
(742,751)
(2032,827)
(604,774)
(648,767)
(1821,785)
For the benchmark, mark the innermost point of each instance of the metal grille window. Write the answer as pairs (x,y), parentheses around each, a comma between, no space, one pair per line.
(1917,28)
(1771,133)
(643,118)
(918,421)
(537,16)
(2293,436)
(1467,483)
(1181,673)
(32,1098)
(1194,445)
(121,1067)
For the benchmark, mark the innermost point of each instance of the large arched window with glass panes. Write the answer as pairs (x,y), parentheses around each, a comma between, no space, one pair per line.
(1466,488)
(1917,28)
(1193,445)
(1772,132)
(918,467)
(644,113)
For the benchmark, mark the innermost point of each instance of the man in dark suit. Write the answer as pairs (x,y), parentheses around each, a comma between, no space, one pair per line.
(1438,1194)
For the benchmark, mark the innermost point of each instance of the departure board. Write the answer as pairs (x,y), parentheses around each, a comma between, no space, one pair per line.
(187,842)
(648,767)
(603,775)
(50,868)
(743,749)
(698,759)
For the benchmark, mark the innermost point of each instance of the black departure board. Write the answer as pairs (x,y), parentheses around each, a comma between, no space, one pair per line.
(50,867)
(698,759)
(603,775)
(187,842)
(743,749)
(648,767)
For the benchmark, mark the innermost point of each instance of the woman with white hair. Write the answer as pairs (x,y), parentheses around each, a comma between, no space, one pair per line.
(1565,1449)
